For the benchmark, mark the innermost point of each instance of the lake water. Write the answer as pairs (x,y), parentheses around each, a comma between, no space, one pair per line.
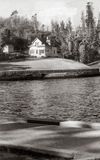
(11,156)
(62,99)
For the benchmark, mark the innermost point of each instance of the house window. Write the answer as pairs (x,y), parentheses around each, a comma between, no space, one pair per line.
(36,43)
(36,51)
(41,51)
(31,51)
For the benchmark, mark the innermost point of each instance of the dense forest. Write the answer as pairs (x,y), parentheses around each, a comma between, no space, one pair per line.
(81,44)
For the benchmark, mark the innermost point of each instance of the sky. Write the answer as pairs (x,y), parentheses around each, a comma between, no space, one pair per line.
(49,9)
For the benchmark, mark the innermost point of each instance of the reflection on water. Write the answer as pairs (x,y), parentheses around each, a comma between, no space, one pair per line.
(66,99)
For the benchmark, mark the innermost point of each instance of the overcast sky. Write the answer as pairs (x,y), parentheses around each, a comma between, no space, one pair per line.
(48,9)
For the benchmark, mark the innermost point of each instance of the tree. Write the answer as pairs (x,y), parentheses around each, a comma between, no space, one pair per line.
(20,44)
(43,28)
(62,26)
(35,23)
(83,23)
(69,26)
(82,51)
(14,13)
(90,23)
(6,37)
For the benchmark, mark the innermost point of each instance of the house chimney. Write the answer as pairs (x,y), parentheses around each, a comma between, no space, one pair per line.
(48,41)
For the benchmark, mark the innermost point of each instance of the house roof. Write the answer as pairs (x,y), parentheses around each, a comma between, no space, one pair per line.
(7,44)
(54,43)
(43,40)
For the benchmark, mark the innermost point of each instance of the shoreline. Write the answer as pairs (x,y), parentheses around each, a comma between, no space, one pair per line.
(45,69)
(31,74)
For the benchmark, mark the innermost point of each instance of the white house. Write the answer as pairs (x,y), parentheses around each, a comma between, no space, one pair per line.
(39,49)
(8,48)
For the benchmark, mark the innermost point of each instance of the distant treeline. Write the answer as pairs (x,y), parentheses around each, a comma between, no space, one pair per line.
(81,44)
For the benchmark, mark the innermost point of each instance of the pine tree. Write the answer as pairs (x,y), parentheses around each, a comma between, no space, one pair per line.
(98,28)
(83,23)
(62,26)
(69,26)
(90,23)
(35,23)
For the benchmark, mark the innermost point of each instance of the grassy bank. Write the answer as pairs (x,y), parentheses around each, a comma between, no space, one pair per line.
(43,64)
(50,64)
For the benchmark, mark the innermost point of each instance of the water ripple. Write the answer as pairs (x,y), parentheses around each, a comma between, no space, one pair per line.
(66,99)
